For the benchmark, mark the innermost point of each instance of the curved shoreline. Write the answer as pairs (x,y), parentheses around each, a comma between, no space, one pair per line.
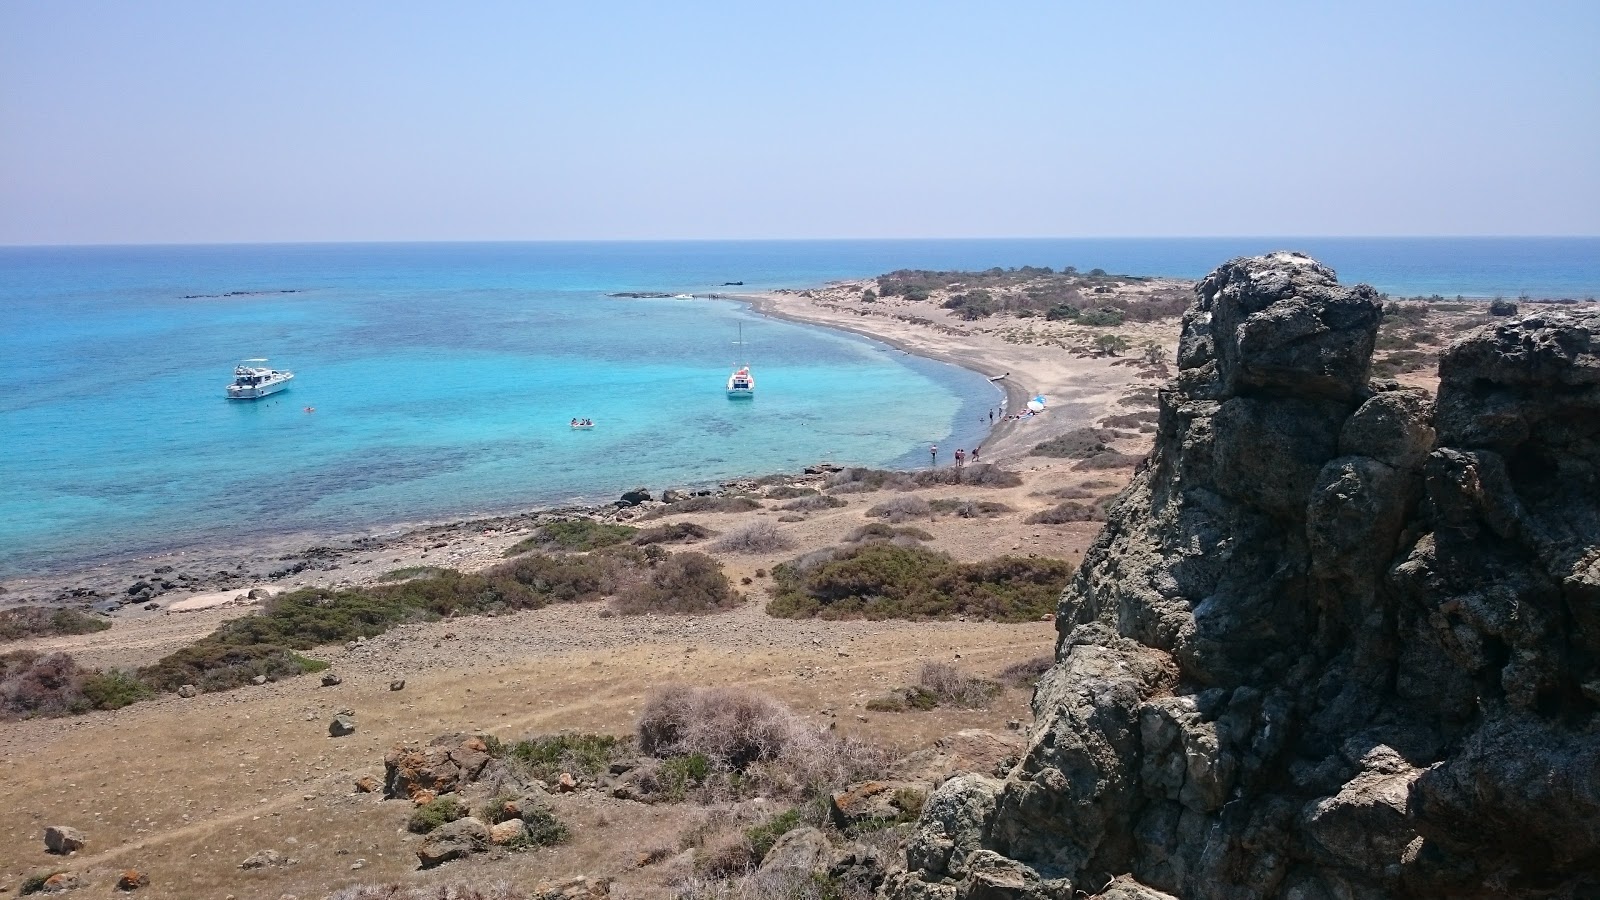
(1015,396)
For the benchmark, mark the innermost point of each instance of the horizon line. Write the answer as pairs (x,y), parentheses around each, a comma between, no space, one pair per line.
(775,240)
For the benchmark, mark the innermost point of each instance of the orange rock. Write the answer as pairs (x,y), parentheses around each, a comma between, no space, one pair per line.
(421,798)
(132,880)
(366,784)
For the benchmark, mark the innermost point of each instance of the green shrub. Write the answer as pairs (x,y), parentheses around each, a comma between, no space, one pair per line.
(705,504)
(114,689)
(762,837)
(1062,312)
(1102,318)
(880,580)
(1080,443)
(544,829)
(34,883)
(436,812)
(789,492)
(684,583)
(909,801)
(676,533)
(813,503)
(573,535)
(546,757)
(43,621)
(680,773)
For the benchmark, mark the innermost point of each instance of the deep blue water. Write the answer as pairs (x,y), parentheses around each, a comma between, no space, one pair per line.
(443,375)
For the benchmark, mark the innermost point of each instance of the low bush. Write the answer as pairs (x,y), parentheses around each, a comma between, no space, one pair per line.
(1025,673)
(877,531)
(43,621)
(676,533)
(705,504)
(900,509)
(1080,443)
(985,475)
(546,757)
(1067,511)
(750,742)
(408,573)
(952,687)
(573,535)
(114,689)
(40,684)
(970,509)
(789,492)
(879,580)
(1105,317)
(814,503)
(763,836)
(757,537)
(684,583)
(436,812)
(856,480)
(544,829)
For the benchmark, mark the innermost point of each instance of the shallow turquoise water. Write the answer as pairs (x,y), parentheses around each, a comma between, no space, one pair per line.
(443,375)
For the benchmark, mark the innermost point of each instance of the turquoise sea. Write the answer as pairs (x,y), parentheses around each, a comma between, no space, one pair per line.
(443,375)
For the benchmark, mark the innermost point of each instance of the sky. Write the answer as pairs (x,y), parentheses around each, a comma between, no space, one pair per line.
(177,122)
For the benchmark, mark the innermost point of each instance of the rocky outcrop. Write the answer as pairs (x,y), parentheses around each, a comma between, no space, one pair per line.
(1336,640)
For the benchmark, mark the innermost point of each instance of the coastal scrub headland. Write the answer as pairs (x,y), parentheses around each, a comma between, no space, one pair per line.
(1036,499)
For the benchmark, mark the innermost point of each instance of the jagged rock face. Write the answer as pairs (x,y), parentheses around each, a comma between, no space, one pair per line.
(1337,640)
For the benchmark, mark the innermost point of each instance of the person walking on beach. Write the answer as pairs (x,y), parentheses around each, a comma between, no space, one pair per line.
(933,454)
(975,453)
(961,457)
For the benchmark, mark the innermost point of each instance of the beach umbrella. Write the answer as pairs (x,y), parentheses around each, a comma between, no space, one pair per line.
(1035,405)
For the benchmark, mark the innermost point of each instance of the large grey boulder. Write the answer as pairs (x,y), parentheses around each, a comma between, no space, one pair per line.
(1336,639)
(453,840)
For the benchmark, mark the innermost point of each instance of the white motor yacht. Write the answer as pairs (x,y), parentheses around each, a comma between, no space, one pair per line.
(252,381)
(741,384)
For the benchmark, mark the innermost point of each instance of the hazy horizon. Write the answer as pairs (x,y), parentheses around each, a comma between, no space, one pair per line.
(187,123)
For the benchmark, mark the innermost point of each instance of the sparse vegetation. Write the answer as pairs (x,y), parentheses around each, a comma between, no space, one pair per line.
(879,580)
(1068,511)
(813,503)
(1025,673)
(439,811)
(546,757)
(675,533)
(684,583)
(732,504)
(750,743)
(43,621)
(573,535)
(409,572)
(969,509)
(757,537)
(901,509)
(877,531)
(952,687)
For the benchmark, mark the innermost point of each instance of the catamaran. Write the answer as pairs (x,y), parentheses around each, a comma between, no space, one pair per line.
(251,381)
(741,384)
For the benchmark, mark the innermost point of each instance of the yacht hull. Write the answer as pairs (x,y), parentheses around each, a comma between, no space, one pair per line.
(256,392)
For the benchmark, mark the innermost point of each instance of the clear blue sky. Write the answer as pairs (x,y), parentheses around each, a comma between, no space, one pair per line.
(280,121)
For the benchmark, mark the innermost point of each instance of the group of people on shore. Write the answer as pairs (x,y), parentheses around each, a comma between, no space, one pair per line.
(962,456)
